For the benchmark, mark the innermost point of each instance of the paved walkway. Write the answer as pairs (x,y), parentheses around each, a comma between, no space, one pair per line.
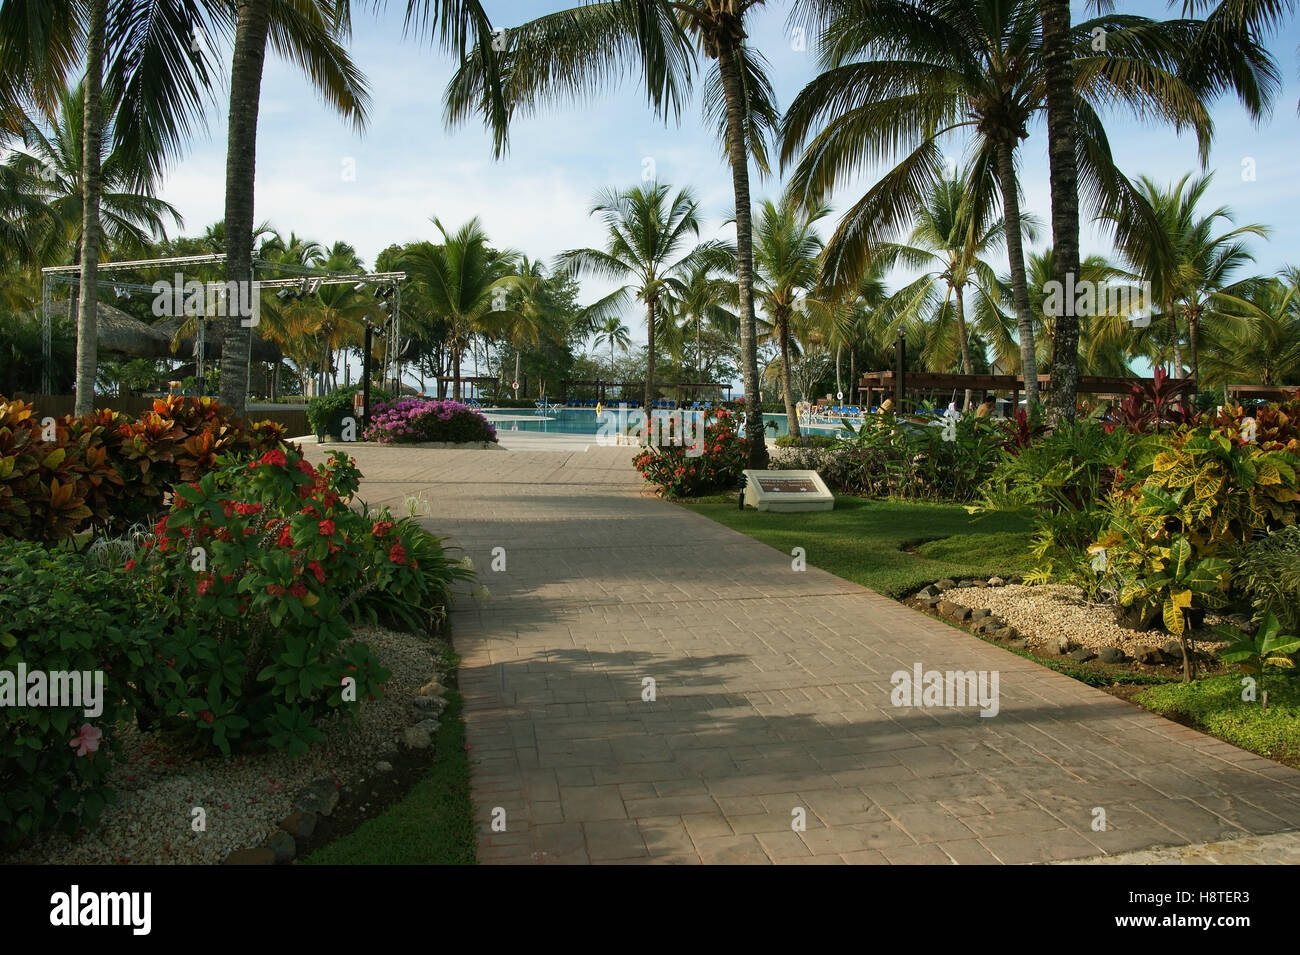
(772,699)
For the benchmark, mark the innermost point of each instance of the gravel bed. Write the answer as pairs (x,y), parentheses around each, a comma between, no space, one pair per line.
(1059,610)
(244,797)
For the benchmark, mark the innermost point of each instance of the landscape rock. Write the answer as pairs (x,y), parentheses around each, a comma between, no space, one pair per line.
(1082,655)
(282,845)
(416,737)
(1020,644)
(432,688)
(946,584)
(1173,649)
(299,824)
(1056,646)
(1148,655)
(320,797)
(1112,655)
(954,612)
(259,856)
(996,582)
(383,766)
(980,613)
(928,591)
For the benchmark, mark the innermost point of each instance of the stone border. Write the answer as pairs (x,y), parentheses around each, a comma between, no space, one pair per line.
(321,798)
(981,622)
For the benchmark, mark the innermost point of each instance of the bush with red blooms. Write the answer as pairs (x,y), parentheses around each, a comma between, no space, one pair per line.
(260,562)
(678,472)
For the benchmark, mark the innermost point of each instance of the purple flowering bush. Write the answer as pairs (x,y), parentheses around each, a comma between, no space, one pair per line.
(413,420)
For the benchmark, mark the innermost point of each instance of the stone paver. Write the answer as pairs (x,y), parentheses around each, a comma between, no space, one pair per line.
(772,700)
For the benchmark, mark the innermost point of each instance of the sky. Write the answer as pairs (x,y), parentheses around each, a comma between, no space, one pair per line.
(319,178)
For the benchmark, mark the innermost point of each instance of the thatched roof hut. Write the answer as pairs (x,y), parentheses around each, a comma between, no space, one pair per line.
(124,334)
(262,349)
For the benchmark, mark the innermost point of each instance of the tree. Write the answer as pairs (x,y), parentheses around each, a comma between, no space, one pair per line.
(899,76)
(613,332)
(309,32)
(648,242)
(1258,341)
(1195,281)
(574,52)
(537,315)
(787,254)
(702,297)
(949,241)
(458,282)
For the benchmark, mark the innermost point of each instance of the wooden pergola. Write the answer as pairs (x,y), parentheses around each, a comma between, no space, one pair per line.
(1238,393)
(887,383)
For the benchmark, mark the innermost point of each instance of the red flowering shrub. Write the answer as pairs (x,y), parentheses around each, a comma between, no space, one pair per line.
(679,473)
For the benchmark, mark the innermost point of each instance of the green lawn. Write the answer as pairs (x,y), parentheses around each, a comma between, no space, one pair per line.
(1215,706)
(870,542)
(432,825)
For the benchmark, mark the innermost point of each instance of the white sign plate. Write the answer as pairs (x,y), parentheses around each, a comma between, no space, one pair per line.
(787,491)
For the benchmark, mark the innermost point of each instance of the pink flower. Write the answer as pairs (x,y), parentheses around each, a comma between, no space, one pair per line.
(87,741)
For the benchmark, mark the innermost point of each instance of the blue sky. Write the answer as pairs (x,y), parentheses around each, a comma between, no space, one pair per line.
(320,179)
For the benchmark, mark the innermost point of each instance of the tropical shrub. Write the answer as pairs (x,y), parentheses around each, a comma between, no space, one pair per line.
(1274,427)
(62,611)
(1065,478)
(409,575)
(1253,652)
(413,420)
(1267,576)
(718,466)
(1163,403)
(1194,500)
(259,563)
(325,413)
(106,469)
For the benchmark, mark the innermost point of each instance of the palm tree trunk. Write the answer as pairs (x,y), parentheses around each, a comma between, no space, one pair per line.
(791,415)
(92,136)
(516,367)
(959,303)
(1177,342)
(1019,280)
(650,354)
(1058,56)
(253,18)
(1193,335)
(839,383)
(738,155)
(455,364)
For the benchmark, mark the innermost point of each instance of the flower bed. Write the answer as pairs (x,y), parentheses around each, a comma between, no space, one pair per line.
(419,421)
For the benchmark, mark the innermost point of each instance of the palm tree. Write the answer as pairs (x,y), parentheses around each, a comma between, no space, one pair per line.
(702,297)
(613,331)
(1258,343)
(950,243)
(787,254)
(574,52)
(901,76)
(1195,282)
(48,170)
(311,33)
(538,317)
(645,232)
(458,282)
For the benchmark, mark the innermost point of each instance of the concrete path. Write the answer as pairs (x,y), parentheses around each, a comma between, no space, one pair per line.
(772,699)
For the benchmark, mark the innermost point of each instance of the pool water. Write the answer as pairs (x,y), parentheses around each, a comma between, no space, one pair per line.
(583,421)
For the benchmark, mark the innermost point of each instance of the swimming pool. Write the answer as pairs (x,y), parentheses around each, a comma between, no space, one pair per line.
(583,421)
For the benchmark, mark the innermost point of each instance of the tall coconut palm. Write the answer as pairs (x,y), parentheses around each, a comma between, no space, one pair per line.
(649,240)
(1196,281)
(901,76)
(787,252)
(1224,55)
(458,282)
(613,332)
(311,33)
(588,48)
(949,242)
(537,318)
